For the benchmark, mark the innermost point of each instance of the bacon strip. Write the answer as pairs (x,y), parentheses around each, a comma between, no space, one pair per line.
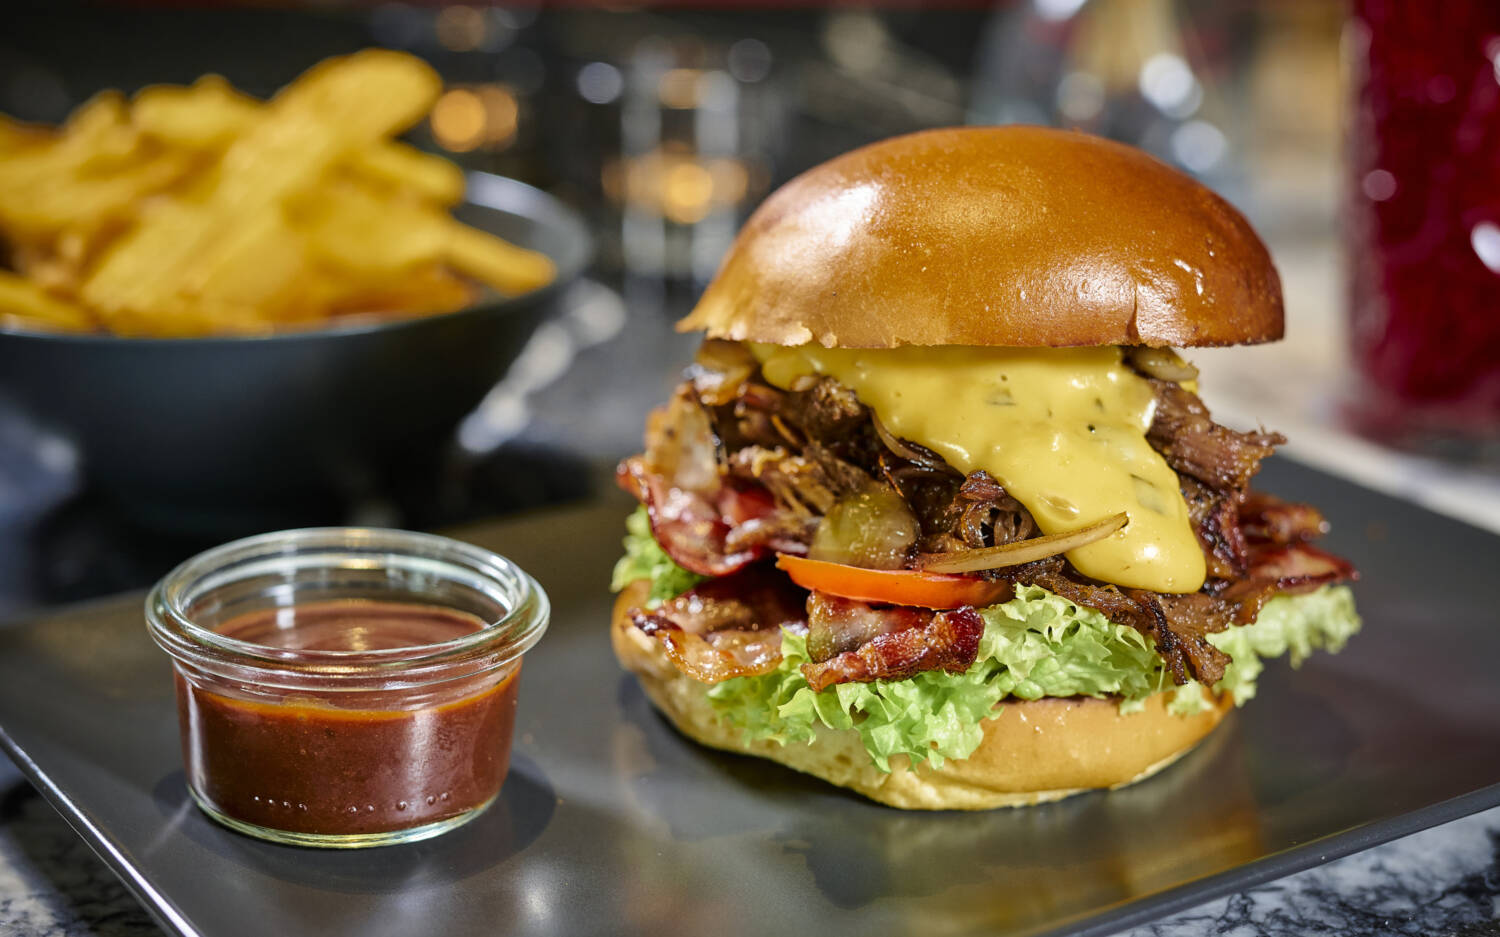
(948,641)
(837,625)
(1291,568)
(1268,519)
(706,524)
(727,627)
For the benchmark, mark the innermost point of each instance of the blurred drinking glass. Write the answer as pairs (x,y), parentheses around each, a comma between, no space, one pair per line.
(1424,232)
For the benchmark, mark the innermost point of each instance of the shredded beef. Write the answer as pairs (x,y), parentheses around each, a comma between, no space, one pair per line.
(1193,444)
(1215,516)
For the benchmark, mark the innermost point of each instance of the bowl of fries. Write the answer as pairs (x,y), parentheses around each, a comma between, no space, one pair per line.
(233,306)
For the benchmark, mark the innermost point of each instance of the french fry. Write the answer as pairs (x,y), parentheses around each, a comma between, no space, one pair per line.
(362,234)
(403,167)
(16,136)
(336,107)
(41,210)
(26,304)
(208,115)
(424,291)
(200,210)
(260,271)
(496,262)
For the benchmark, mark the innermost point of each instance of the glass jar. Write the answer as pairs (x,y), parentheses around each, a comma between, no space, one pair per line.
(1424,223)
(346,687)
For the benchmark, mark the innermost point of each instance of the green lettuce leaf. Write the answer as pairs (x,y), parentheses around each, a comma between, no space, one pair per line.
(1295,625)
(645,559)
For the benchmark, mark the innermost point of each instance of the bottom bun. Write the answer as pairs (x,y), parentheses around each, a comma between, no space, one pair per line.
(1034,751)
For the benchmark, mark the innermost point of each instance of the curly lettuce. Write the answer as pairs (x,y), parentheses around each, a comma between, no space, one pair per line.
(1037,644)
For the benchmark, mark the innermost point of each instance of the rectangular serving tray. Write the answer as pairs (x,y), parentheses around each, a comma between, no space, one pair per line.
(612,823)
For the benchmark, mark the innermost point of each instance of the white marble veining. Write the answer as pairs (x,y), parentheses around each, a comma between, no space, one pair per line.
(51,884)
(1442,882)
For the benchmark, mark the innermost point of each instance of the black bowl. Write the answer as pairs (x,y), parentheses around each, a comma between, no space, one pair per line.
(246,432)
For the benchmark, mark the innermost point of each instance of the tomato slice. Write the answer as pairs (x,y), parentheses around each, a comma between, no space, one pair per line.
(892,586)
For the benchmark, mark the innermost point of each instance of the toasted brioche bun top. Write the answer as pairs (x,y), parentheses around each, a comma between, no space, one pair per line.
(1021,236)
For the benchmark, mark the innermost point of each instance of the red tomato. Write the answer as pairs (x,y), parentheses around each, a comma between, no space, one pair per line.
(892,586)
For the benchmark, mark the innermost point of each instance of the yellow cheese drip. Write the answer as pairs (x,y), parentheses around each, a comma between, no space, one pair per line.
(1063,429)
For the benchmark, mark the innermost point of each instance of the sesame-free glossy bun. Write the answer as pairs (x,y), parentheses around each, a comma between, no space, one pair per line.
(1023,236)
(1033,752)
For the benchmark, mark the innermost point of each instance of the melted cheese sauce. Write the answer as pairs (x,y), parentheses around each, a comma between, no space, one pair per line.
(1063,429)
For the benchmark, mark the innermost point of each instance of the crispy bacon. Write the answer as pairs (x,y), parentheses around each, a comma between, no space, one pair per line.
(1268,519)
(949,641)
(727,627)
(836,625)
(697,515)
(1277,568)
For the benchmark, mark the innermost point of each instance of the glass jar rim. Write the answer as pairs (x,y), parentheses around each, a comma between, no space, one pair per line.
(498,642)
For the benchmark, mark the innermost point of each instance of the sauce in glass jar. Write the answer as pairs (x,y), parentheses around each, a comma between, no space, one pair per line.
(329,700)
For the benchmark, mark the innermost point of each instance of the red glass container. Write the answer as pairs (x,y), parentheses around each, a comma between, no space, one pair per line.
(1424,222)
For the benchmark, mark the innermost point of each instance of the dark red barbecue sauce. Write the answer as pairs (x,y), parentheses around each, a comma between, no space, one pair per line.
(350,765)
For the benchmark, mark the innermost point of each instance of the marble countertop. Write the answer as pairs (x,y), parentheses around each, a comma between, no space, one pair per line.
(1442,882)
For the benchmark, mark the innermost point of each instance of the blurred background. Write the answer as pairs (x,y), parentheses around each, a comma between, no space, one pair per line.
(661,128)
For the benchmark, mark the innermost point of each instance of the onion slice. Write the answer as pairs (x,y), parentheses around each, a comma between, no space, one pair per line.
(1022,551)
(1162,363)
(925,458)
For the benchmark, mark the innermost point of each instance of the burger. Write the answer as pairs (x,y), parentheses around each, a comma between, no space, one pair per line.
(936,513)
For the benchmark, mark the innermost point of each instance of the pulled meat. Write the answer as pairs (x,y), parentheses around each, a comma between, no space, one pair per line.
(727,627)
(1193,444)
(978,514)
(947,641)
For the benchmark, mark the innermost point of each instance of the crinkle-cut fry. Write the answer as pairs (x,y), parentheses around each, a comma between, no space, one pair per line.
(26,305)
(54,273)
(359,232)
(97,138)
(496,262)
(182,318)
(260,270)
(338,106)
(207,115)
(427,290)
(404,167)
(43,209)
(210,115)
(16,136)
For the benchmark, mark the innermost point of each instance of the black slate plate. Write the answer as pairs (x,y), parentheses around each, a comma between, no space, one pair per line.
(611,823)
